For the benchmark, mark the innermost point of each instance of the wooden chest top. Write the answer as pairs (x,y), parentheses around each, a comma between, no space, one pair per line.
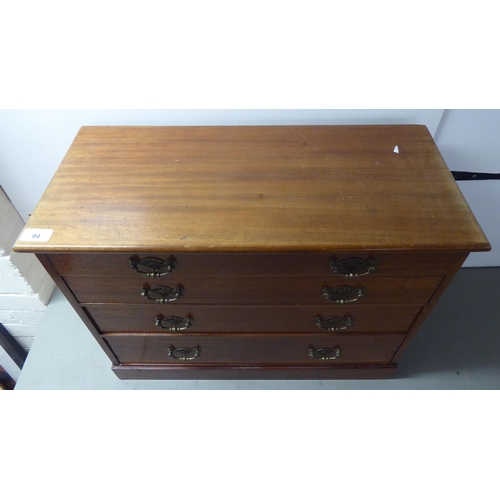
(248,189)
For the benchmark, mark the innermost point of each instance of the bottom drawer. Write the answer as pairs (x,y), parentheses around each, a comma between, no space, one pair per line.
(253,348)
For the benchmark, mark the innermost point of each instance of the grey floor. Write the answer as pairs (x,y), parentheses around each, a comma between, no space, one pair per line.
(458,347)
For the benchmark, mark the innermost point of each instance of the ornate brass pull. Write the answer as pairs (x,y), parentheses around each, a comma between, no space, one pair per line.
(334,323)
(343,294)
(174,323)
(162,294)
(184,353)
(353,267)
(325,353)
(152,267)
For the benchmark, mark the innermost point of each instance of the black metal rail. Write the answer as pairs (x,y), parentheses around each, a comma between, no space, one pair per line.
(473,176)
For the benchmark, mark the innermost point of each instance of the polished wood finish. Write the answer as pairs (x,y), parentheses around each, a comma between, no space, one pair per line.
(266,290)
(254,189)
(268,318)
(253,372)
(255,348)
(253,217)
(256,264)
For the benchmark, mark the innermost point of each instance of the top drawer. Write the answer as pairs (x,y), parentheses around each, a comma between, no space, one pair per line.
(256,264)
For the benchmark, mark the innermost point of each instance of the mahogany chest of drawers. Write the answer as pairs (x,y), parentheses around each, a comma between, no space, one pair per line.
(253,252)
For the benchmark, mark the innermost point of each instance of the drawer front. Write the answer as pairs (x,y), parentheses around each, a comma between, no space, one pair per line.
(233,349)
(265,290)
(201,318)
(255,264)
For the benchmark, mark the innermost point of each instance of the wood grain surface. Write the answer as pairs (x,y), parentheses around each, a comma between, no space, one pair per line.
(298,188)
(217,318)
(248,290)
(233,264)
(255,348)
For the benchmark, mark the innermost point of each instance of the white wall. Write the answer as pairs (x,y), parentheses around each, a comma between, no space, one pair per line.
(469,140)
(33,143)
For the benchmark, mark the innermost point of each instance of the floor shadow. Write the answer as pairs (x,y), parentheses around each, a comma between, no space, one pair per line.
(463,331)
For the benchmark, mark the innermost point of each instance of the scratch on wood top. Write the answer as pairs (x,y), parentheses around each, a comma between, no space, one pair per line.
(297,132)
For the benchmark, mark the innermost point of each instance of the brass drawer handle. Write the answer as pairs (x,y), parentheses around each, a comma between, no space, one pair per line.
(184,353)
(162,294)
(353,267)
(173,323)
(343,294)
(325,353)
(334,323)
(152,267)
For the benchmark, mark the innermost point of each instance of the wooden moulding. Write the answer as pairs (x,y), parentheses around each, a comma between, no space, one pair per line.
(256,372)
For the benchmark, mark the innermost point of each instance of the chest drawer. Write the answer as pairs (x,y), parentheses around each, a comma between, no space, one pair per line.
(251,290)
(260,246)
(233,349)
(203,318)
(254,264)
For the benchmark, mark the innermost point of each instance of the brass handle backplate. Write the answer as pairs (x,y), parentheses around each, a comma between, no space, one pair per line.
(174,323)
(162,294)
(152,267)
(334,323)
(184,353)
(353,267)
(325,353)
(343,294)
